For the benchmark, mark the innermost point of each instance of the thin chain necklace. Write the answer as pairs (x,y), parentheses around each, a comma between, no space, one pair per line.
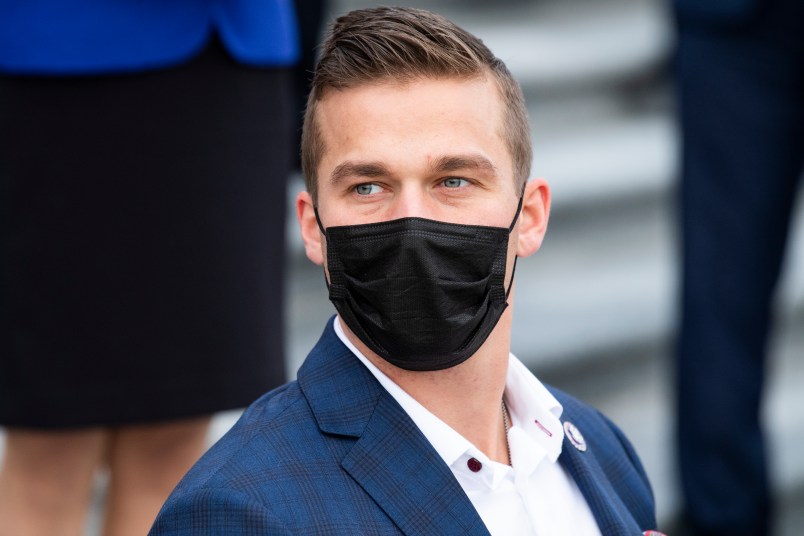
(507,425)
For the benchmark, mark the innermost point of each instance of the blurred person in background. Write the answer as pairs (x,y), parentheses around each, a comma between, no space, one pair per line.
(144,153)
(740,72)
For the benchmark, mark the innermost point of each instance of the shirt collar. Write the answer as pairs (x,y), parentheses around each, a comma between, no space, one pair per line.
(533,409)
(534,413)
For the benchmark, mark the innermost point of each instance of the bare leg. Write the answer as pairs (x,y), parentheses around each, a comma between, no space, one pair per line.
(145,463)
(46,481)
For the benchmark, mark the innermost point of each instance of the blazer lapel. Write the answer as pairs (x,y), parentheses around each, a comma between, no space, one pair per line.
(398,467)
(611,515)
(390,459)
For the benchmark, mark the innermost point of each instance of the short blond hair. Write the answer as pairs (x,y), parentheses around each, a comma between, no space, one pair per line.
(403,44)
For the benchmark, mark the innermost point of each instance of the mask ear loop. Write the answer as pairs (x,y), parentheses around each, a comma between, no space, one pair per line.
(323,232)
(516,216)
(511,281)
(510,229)
(321,226)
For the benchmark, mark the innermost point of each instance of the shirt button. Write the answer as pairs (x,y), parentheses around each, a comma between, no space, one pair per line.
(474,465)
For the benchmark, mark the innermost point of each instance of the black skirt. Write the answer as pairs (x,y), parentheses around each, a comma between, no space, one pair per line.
(142,246)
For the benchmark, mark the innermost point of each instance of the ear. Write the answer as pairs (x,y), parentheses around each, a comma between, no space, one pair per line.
(311,234)
(533,218)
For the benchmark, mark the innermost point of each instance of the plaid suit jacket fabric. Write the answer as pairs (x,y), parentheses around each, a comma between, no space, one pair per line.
(334,454)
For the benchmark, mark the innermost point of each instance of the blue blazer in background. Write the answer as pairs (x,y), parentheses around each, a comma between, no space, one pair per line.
(66,37)
(333,453)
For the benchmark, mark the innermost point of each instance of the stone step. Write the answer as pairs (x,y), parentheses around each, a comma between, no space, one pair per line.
(597,153)
(555,46)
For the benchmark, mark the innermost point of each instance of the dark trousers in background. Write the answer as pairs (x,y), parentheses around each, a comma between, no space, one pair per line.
(741,93)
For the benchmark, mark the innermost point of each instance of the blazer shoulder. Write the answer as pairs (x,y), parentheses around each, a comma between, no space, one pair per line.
(227,491)
(216,511)
(262,423)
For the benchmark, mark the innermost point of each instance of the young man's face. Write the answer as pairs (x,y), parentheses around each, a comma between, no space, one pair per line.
(429,148)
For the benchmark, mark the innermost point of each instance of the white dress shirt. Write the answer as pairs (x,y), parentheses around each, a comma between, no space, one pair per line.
(533,496)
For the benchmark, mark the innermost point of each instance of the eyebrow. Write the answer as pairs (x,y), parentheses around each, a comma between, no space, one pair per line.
(443,164)
(357,169)
(449,163)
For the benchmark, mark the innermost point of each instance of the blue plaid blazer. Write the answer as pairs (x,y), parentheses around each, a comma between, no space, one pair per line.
(334,454)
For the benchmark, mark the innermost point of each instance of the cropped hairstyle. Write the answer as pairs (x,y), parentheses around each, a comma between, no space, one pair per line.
(401,45)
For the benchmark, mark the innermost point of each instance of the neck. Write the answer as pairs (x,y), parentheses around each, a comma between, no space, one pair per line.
(467,397)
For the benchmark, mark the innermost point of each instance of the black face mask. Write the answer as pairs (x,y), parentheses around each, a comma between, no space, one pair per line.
(422,294)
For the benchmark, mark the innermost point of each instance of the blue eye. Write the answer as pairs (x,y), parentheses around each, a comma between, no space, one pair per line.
(455,182)
(367,189)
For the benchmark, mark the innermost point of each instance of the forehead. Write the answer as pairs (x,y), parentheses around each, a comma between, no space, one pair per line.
(448,93)
(423,116)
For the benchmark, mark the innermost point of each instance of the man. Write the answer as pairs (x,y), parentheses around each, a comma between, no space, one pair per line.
(410,416)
